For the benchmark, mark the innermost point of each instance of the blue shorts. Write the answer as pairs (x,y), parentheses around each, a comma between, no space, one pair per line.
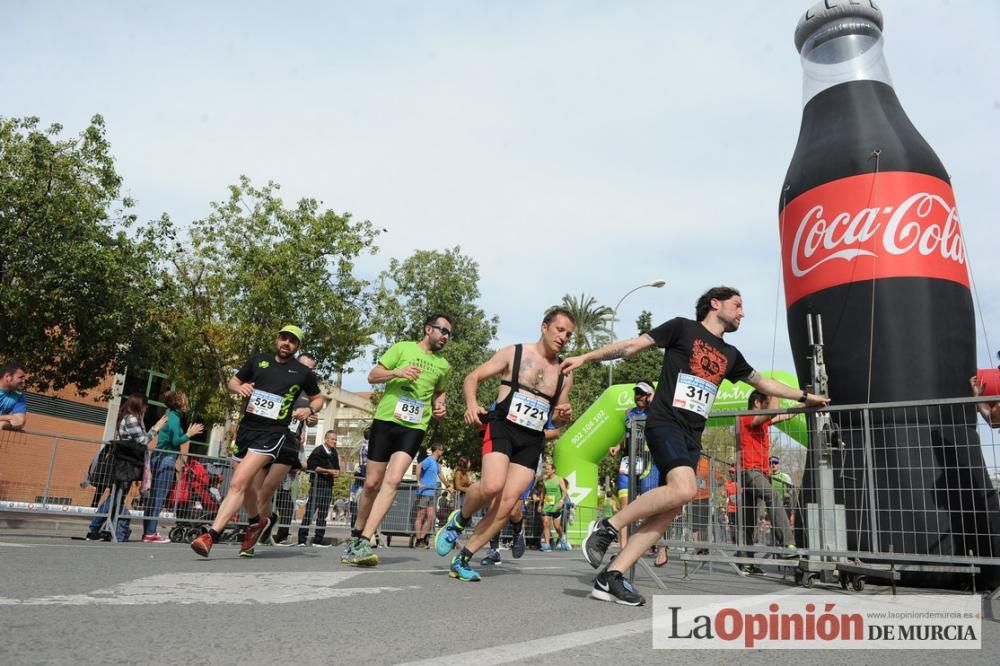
(643,484)
(672,447)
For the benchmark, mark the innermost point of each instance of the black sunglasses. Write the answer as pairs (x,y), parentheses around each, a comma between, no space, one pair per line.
(444,330)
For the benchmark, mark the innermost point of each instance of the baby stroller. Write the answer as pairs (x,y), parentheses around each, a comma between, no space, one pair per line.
(196,506)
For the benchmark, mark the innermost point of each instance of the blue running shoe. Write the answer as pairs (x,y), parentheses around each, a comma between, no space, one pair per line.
(546,547)
(462,571)
(444,540)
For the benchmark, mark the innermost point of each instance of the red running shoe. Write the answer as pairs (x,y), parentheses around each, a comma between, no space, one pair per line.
(252,535)
(202,545)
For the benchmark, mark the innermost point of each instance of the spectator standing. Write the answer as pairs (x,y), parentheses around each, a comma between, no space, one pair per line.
(168,458)
(325,463)
(731,490)
(990,411)
(13,401)
(461,480)
(755,457)
(129,427)
(359,476)
(430,474)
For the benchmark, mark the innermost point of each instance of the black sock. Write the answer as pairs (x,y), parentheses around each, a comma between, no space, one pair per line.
(214,535)
(465,555)
(516,527)
(355,534)
(614,532)
(255,519)
(495,543)
(460,521)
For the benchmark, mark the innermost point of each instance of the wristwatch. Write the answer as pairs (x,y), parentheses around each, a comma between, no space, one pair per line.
(804,396)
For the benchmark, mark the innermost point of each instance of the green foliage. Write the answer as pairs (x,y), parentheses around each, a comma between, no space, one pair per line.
(250,267)
(75,286)
(342,484)
(593,321)
(434,281)
(644,365)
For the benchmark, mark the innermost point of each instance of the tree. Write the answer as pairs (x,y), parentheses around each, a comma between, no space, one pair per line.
(592,321)
(75,287)
(434,281)
(252,266)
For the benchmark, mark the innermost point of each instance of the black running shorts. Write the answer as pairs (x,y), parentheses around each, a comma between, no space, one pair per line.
(387,438)
(280,445)
(523,446)
(671,447)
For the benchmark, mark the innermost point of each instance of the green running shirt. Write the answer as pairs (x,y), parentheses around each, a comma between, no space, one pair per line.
(409,403)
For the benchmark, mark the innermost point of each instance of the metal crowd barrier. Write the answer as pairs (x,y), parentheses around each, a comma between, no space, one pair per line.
(55,476)
(898,492)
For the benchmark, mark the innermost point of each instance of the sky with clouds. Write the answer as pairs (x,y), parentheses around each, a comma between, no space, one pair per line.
(585,146)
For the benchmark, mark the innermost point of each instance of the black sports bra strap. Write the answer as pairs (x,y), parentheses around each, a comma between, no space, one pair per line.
(515,371)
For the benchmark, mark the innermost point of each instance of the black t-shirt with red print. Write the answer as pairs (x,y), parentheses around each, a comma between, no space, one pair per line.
(694,364)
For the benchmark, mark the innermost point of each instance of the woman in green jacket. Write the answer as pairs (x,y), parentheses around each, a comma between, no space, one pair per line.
(171,443)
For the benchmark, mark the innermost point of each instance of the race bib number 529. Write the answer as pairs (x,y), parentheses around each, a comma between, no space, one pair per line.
(264,404)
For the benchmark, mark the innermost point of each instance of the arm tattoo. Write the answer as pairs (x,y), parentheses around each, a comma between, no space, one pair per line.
(614,351)
(754,378)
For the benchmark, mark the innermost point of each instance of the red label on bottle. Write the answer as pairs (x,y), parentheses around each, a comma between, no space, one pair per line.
(894,224)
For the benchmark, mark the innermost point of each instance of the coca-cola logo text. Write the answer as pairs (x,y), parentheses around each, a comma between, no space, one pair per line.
(902,224)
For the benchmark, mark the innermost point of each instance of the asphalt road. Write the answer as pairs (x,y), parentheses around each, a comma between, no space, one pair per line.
(64,601)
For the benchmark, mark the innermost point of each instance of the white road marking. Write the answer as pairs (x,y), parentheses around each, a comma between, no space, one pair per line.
(15,545)
(217,588)
(531,650)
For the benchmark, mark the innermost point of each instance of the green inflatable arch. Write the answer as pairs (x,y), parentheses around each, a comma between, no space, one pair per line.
(581,448)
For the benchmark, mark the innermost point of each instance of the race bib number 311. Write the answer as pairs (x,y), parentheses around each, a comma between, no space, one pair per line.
(264,404)
(694,394)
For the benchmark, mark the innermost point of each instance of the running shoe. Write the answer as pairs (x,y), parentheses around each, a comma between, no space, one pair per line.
(612,586)
(348,549)
(154,538)
(546,547)
(93,536)
(252,535)
(265,536)
(493,557)
(519,546)
(362,554)
(462,571)
(320,544)
(202,545)
(602,533)
(247,553)
(563,545)
(446,537)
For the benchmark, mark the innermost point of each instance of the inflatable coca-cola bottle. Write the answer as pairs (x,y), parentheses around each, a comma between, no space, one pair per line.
(870,240)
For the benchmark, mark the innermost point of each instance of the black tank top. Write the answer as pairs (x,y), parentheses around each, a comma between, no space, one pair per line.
(502,408)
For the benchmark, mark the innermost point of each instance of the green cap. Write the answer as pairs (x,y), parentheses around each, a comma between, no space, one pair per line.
(294,330)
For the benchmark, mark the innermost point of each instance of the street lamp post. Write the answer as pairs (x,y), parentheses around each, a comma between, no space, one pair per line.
(655,283)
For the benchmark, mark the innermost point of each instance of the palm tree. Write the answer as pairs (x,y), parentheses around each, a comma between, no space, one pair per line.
(592,321)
